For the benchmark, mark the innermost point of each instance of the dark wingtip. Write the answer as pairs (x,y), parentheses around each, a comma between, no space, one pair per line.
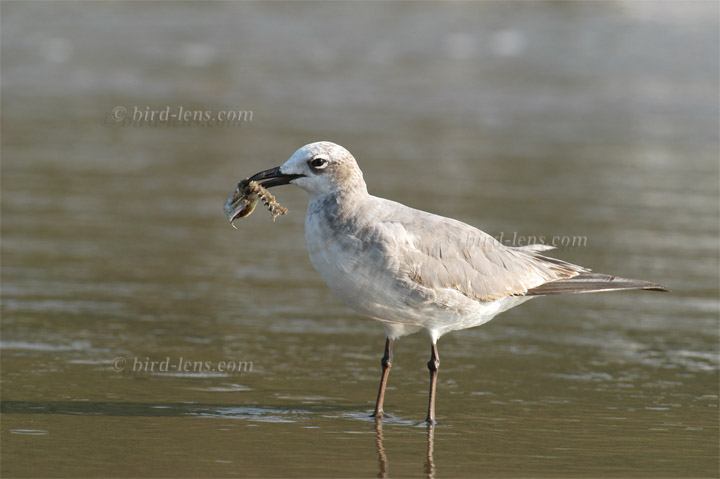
(657,287)
(594,283)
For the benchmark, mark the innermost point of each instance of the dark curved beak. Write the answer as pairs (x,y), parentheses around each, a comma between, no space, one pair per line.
(272,177)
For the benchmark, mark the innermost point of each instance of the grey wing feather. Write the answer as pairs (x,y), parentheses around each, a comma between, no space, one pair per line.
(467,260)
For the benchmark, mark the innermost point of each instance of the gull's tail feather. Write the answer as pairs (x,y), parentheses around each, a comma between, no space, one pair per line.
(593,283)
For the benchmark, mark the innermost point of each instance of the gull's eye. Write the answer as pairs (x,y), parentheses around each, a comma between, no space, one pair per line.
(319,163)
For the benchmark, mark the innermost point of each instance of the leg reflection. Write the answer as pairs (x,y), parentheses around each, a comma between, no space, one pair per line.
(382,457)
(430,463)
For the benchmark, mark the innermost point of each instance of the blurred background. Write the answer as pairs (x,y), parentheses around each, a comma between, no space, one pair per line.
(592,119)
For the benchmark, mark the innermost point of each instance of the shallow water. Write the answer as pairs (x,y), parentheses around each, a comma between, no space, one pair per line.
(543,119)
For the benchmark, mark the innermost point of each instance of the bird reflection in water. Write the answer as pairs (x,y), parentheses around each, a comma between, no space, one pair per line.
(382,455)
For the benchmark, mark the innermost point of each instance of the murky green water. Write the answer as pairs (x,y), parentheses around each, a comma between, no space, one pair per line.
(597,120)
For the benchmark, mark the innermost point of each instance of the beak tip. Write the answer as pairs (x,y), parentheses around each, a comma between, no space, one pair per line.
(272,177)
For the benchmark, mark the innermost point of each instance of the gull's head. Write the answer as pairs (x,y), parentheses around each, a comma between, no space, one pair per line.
(319,168)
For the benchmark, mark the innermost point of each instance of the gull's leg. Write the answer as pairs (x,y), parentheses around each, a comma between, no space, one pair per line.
(433,366)
(386,365)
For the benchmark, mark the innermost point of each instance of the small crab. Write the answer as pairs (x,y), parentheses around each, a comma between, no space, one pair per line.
(246,197)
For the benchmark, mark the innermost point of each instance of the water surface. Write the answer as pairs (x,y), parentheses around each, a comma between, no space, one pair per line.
(597,120)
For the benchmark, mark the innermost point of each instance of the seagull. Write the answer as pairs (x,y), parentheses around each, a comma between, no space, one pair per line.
(413,270)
